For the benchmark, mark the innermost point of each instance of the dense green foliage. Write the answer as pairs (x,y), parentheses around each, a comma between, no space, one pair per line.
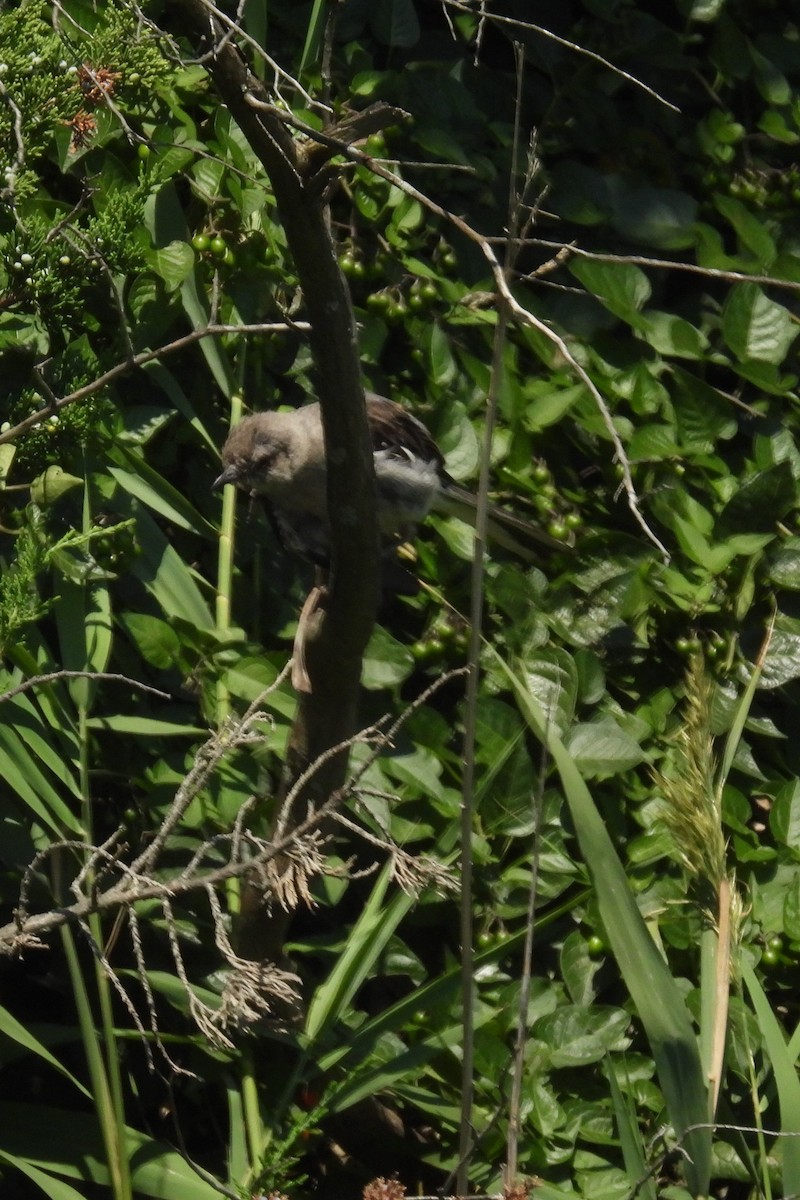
(133,213)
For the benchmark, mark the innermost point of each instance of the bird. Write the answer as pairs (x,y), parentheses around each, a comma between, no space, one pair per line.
(280,456)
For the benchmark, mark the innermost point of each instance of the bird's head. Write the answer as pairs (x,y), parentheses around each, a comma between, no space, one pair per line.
(256,453)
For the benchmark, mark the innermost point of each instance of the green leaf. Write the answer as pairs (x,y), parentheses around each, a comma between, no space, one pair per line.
(578,1035)
(22,774)
(165,220)
(14,1031)
(621,287)
(603,748)
(782,662)
(703,415)
(439,360)
(759,502)
(54,1188)
(786,1080)
(153,490)
(394,22)
(755,327)
(552,680)
(752,233)
(365,943)
(144,726)
(548,408)
(458,442)
(155,639)
(166,576)
(659,217)
(791,909)
(633,1148)
(73,1148)
(653,443)
(670,334)
(172,263)
(51,485)
(784,817)
(387,662)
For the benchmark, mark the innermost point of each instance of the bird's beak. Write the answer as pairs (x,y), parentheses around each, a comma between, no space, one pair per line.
(229,475)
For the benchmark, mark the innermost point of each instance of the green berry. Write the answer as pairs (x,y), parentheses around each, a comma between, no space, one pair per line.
(201,242)
(218,246)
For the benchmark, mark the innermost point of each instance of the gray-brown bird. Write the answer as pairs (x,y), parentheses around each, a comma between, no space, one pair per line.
(281,457)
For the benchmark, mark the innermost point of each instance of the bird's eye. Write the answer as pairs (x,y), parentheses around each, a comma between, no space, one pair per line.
(263,454)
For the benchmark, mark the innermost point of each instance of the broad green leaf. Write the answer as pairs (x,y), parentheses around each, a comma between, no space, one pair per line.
(784,817)
(603,748)
(760,501)
(752,232)
(387,662)
(156,640)
(791,909)
(173,263)
(395,22)
(51,485)
(660,217)
(782,662)
(672,335)
(578,969)
(755,327)
(438,357)
(703,415)
(549,408)
(621,287)
(579,1034)
(83,614)
(552,679)
(653,442)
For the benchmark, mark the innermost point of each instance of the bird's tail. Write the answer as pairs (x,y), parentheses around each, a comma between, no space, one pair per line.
(504,528)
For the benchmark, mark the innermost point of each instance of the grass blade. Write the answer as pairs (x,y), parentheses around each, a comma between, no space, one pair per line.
(786,1080)
(658,1000)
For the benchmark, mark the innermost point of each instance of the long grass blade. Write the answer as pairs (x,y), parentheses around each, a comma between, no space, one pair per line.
(658,1000)
(786,1080)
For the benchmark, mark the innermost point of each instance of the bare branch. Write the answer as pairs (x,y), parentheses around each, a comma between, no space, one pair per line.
(104,676)
(567,250)
(140,360)
(514,23)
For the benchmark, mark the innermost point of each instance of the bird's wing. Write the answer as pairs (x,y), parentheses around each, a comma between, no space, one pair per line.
(399,434)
